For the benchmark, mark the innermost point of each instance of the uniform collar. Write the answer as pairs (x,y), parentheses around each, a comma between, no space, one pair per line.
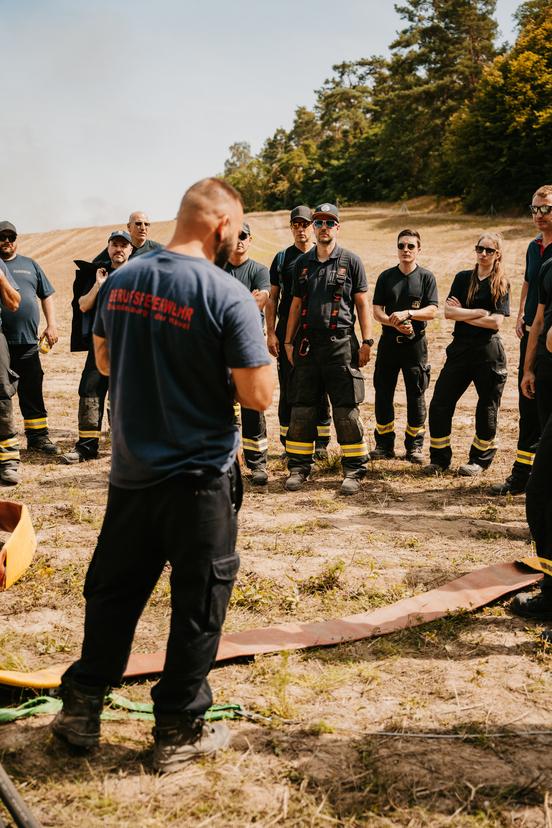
(335,254)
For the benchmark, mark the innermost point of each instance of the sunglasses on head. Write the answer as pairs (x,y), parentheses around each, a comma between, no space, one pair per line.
(543,209)
(243,236)
(11,237)
(300,225)
(408,245)
(328,222)
(487,250)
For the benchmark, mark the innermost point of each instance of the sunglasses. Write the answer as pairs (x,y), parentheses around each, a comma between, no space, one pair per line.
(543,209)
(328,222)
(487,250)
(403,245)
(243,236)
(300,225)
(10,237)
(142,223)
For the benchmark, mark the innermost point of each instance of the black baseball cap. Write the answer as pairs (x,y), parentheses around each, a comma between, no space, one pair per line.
(7,225)
(120,234)
(326,209)
(246,228)
(301,212)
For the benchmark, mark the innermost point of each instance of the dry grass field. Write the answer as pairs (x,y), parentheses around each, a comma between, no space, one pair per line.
(464,696)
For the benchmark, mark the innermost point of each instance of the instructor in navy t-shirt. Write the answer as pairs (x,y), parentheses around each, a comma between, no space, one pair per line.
(180,340)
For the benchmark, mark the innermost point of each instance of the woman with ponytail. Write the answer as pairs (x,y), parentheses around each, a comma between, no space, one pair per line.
(478,301)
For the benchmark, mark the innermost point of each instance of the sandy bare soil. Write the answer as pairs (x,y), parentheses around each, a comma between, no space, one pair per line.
(467,698)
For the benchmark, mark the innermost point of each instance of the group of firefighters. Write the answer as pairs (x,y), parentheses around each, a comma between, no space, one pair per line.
(167,331)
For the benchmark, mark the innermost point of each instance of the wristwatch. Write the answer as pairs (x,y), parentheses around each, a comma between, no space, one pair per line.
(369,342)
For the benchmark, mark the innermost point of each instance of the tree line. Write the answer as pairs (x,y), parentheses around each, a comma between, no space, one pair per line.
(449,113)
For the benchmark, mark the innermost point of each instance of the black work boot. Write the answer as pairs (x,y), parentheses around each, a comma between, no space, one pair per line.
(512,486)
(43,444)
(78,722)
(179,740)
(536,605)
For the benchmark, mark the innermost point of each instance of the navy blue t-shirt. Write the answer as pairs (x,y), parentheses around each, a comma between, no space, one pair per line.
(174,326)
(8,276)
(21,326)
(535,257)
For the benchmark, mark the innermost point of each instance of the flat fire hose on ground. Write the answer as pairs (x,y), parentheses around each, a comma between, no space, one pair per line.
(469,592)
(14,804)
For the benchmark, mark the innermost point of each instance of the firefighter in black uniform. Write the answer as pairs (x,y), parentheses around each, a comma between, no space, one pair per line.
(478,301)
(329,285)
(529,317)
(281,277)
(256,279)
(538,507)
(404,298)
(93,385)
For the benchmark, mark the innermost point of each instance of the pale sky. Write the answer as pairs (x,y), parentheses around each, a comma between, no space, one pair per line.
(115,105)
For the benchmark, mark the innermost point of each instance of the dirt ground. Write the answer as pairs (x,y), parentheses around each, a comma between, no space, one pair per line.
(448,724)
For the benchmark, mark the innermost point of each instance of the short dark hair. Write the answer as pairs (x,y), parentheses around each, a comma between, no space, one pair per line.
(410,233)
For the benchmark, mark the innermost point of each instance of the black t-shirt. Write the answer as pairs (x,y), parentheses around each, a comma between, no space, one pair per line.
(321,287)
(482,299)
(282,277)
(398,291)
(545,298)
(147,247)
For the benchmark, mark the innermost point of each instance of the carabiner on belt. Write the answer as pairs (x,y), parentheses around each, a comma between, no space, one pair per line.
(304,347)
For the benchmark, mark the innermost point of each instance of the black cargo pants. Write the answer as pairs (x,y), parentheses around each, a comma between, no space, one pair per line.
(485,365)
(192,525)
(409,356)
(93,389)
(323,418)
(25,361)
(529,426)
(9,444)
(330,365)
(538,502)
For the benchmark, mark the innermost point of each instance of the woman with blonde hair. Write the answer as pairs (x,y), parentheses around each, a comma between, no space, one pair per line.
(478,301)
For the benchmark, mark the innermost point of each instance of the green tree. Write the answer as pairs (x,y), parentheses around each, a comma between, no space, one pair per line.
(498,146)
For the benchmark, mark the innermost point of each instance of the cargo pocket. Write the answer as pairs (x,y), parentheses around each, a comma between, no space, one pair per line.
(358,384)
(223,575)
(9,386)
(424,377)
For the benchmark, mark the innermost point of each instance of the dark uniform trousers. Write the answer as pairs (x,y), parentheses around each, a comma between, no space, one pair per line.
(25,361)
(190,524)
(254,439)
(93,389)
(323,418)
(529,426)
(543,387)
(538,502)
(331,365)
(408,356)
(485,365)
(9,444)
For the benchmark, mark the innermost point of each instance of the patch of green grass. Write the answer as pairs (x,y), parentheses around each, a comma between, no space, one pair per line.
(327,579)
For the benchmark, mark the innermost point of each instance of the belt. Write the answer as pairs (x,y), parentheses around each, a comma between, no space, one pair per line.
(402,339)
(337,333)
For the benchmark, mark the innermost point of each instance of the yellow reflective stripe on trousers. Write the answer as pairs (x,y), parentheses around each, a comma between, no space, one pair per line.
(439,442)
(354,449)
(385,429)
(413,431)
(254,445)
(293,447)
(323,430)
(483,445)
(540,564)
(525,457)
(84,435)
(9,449)
(38,422)
(283,430)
